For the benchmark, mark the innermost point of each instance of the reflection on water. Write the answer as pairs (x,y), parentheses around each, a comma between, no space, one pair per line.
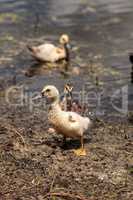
(98,29)
(115,6)
(57,8)
(39,68)
(99,26)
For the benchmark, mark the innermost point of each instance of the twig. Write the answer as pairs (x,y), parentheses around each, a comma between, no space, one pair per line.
(63,194)
(19,135)
(52,184)
(12,128)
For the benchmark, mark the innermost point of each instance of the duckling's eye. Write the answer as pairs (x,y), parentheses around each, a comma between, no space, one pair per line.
(48,90)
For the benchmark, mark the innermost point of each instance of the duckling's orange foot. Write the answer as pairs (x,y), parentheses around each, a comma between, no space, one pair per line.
(80,152)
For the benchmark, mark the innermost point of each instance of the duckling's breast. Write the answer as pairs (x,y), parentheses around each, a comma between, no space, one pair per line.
(61,123)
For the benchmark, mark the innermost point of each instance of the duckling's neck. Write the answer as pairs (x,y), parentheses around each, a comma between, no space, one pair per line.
(54,113)
(67,53)
(55,106)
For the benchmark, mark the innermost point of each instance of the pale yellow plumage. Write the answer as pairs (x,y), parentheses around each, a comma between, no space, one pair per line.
(69,124)
(50,53)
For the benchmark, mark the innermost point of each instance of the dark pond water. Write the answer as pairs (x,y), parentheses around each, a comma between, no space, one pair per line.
(101,33)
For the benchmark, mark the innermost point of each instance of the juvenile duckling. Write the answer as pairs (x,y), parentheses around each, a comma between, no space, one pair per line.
(68,103)
(66,100)
(67,123)
(50,53)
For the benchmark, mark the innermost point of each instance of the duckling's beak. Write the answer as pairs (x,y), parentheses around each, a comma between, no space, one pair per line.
(37,97)
(43,94)
(47,99)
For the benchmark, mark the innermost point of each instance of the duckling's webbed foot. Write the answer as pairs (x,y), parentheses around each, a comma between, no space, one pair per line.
(81,151)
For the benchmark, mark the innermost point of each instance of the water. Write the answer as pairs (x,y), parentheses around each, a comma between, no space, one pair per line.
(101,30)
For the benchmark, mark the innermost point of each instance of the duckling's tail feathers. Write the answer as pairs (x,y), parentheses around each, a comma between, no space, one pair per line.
(87,123)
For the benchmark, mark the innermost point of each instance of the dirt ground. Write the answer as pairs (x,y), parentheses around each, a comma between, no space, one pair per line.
(35,166)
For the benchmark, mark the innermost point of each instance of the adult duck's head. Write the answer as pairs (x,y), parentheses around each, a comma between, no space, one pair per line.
(51,94)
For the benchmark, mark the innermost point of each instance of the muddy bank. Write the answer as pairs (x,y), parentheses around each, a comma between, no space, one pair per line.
(34,163)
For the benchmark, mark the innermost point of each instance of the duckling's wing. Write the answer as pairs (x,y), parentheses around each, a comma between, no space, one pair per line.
(46,49)
(83,122)
(73,117)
